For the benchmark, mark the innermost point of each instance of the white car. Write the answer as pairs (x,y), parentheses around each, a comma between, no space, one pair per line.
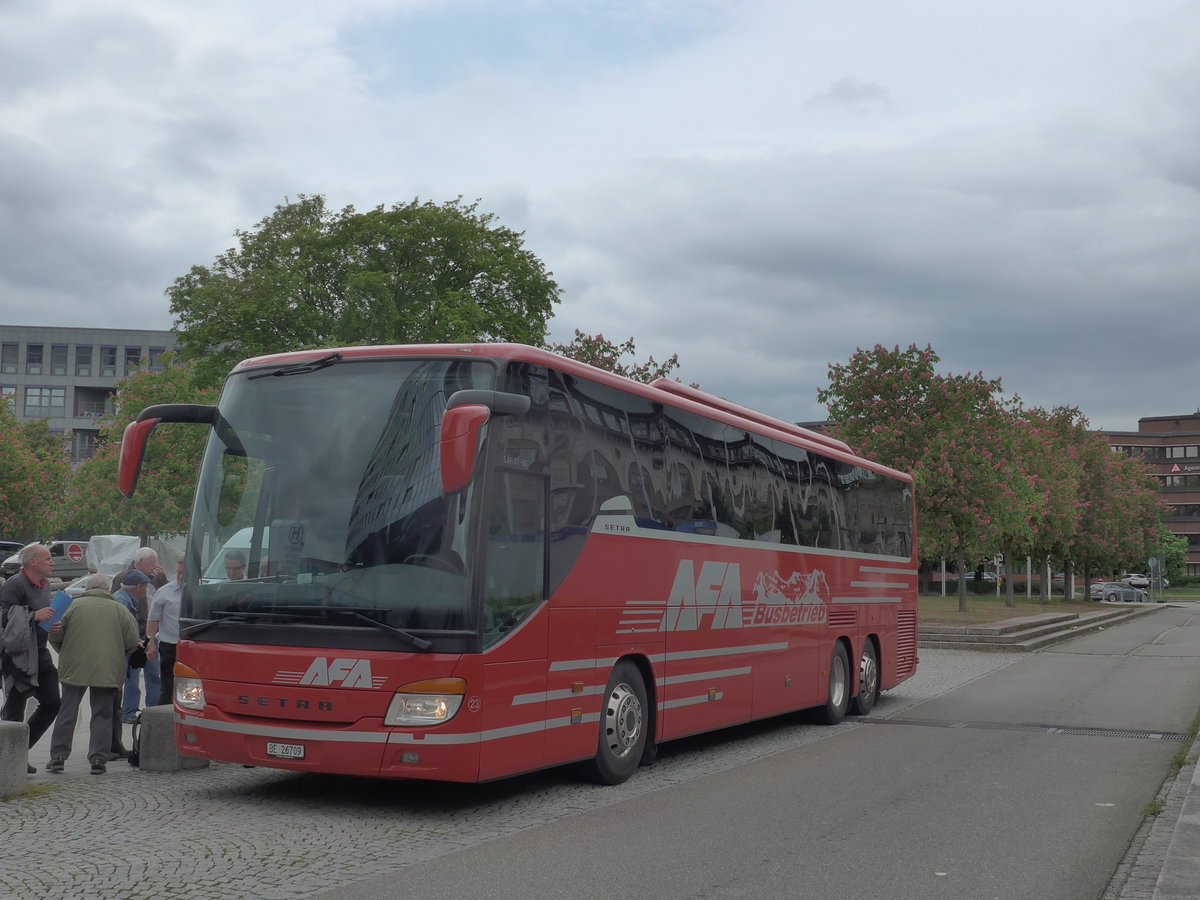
(1136,580)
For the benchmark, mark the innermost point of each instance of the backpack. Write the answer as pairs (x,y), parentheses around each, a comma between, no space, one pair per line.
(135,747)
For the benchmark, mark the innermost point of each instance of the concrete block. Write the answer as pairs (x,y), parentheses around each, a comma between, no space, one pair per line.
(14,757)
(157,737)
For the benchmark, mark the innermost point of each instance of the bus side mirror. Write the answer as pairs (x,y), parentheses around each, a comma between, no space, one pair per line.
(137,432)
(466,412)
(133,448)
(460,444)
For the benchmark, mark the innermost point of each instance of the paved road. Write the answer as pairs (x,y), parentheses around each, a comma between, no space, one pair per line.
(865,809)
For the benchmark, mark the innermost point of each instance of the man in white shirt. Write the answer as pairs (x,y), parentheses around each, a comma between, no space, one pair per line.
(162,630)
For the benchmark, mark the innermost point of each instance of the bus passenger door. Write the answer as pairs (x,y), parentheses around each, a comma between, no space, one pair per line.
(515,624)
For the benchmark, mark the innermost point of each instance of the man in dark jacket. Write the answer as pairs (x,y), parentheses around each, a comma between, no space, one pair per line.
(93,639)
(30,589)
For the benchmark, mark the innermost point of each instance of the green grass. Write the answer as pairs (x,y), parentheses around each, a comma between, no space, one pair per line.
(934,609)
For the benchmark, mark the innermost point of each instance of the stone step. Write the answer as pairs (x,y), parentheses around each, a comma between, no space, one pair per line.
(1029,633)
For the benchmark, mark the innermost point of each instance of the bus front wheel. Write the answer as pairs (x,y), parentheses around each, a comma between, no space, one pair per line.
(623,727)
(868,682)
(834,710)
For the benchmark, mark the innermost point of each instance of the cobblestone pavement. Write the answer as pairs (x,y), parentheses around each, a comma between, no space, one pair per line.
(232,832)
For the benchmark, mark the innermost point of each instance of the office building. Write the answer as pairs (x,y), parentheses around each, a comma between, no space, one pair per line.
(1170,447)
(69,375)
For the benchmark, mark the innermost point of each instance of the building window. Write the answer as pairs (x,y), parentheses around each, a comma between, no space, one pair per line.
(84,445)
(33,359)
(58,359)
(108,362)
(8,358)
(9,392)
(132,355)
(156,364)
(45,402)
(83,360)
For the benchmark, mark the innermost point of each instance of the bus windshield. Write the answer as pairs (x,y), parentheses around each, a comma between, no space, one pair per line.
(320,502)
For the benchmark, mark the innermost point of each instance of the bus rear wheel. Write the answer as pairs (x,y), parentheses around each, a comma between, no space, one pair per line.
(834,710)
(868,682)
(623,727)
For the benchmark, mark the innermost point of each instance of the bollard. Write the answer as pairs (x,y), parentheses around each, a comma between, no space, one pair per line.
(157,743)
(14,757)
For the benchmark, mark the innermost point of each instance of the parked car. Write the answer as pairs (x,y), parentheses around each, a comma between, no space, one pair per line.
(1136,580)
(68,559)
(1117,592)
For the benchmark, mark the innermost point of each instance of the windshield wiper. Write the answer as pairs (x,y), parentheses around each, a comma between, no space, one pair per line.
(300,368)
(417,643)
(224,616)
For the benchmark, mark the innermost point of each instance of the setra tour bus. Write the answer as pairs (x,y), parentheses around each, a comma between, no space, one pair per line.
(464,562)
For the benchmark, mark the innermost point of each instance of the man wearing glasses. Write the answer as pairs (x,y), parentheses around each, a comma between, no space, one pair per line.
(235,565)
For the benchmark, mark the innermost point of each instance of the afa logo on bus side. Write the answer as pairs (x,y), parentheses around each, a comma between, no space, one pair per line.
(715,593)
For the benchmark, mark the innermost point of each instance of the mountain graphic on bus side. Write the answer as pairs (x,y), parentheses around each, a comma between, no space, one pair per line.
(797,588)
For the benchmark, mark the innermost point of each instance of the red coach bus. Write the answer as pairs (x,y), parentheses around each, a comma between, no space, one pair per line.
(463,562)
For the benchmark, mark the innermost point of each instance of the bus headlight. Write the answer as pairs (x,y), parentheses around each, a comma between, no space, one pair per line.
(429,702)
(189,689)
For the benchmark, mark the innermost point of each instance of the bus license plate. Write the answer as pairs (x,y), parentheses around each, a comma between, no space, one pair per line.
(285,751)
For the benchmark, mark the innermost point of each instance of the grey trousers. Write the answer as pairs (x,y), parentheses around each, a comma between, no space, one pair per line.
(101,724)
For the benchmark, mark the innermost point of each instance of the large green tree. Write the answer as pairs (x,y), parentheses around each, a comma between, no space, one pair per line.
(163,501)
(33,472)
(307,276)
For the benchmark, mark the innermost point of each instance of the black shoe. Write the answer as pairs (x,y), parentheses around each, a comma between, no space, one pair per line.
(120,753)
(32,770)
(55,765)
(98,766)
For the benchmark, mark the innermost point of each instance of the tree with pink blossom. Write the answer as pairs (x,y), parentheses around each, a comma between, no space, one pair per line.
(596,350)
(950,431)
(163,502)
(34,463)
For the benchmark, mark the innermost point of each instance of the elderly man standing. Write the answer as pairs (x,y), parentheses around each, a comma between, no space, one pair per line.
(137,588)
(93,639)
(27,665)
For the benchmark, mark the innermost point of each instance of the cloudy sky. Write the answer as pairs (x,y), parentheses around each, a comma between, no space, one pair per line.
(759,186)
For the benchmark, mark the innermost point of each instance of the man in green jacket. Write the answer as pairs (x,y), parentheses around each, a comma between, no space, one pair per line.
(93,639)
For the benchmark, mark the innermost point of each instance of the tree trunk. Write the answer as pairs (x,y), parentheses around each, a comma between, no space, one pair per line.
(1069,579)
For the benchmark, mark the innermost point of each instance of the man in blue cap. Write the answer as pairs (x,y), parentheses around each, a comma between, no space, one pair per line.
(132,593)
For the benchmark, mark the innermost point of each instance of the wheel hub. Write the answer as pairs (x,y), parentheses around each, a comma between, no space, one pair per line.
(623,721)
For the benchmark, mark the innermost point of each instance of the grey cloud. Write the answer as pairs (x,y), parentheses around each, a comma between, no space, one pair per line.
(852,94)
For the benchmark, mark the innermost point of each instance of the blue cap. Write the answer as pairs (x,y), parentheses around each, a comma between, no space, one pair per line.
(133,576)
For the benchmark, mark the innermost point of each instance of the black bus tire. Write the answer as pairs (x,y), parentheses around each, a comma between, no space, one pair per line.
(868,681)
(622,728)
(834,709)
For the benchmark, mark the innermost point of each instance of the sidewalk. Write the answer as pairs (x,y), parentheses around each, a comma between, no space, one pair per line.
(1178,877)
